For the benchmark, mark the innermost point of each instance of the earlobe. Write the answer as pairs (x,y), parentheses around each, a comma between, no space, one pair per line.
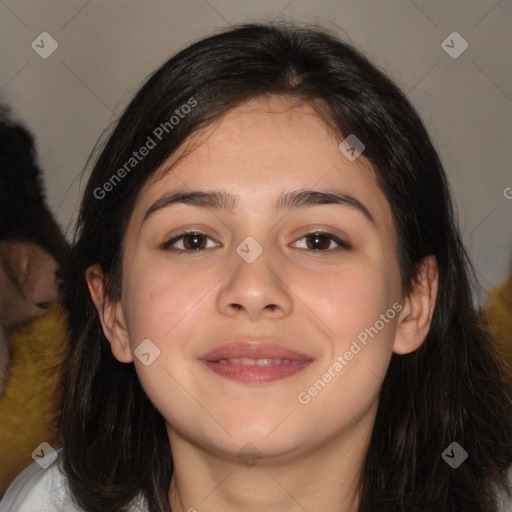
(110,314)
(416,316)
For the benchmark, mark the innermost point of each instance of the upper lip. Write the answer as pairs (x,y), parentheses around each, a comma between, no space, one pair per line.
(253,350)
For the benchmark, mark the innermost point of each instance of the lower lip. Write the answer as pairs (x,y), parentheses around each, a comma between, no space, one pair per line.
(255,374)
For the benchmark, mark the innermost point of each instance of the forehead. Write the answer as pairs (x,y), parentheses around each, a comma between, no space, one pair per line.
(265,147)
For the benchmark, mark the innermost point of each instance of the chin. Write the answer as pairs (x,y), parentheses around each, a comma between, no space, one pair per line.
(268,439)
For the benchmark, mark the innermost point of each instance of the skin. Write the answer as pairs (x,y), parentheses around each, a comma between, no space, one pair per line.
(190,302)
(25,293)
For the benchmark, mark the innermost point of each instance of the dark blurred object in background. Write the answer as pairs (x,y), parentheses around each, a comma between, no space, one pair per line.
(33,328)
(23,211)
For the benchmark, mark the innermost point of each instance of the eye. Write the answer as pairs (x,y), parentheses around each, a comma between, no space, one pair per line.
(189,241)
(197,241)
(319,241)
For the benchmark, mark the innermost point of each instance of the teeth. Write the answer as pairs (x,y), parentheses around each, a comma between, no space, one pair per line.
(247,361)
(267,362)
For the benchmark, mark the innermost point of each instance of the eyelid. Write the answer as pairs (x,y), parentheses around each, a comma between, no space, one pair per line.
(342,244)
(167,244)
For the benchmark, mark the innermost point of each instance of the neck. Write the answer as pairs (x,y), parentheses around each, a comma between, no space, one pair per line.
(327,478)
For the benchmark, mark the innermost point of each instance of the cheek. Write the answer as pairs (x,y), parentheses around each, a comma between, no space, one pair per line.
(356,309)
(159,299)
(349,301)
(342,399)
(161,305)
(348,382)
(167,306)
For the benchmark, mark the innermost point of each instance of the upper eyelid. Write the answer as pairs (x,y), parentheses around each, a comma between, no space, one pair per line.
(329,235)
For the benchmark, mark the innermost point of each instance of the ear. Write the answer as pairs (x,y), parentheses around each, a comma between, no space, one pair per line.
(111,315)
(416,316)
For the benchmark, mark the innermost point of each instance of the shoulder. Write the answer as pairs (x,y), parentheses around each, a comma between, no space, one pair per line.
(504,501)
(42,487)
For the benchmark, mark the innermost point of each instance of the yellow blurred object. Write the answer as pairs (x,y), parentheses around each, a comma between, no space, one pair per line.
(497,316)
(29,408)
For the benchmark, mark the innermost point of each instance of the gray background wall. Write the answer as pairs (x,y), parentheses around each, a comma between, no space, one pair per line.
(106,49)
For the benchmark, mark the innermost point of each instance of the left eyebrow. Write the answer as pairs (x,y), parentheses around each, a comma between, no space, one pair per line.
(221,200)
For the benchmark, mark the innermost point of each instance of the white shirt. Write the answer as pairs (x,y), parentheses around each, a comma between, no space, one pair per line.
(42,487)
(37,489)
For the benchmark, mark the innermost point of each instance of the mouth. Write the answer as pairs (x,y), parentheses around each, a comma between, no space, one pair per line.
(255,362)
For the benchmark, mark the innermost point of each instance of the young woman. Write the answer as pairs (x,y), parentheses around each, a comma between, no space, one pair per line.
(269,302)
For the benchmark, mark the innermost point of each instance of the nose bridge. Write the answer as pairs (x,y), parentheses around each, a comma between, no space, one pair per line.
(254,284)
(253,262)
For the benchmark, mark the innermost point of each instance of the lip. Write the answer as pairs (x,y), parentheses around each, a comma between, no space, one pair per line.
(253,350)
(287,362)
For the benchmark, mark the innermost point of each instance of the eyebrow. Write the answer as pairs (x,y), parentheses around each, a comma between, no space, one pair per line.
(221,200)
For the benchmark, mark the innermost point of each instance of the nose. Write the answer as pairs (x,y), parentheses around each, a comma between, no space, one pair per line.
(256,289)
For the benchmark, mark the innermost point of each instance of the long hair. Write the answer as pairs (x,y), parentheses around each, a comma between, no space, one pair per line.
(449,390)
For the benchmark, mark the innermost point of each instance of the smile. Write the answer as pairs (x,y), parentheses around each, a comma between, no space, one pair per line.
(256,371)
(247,361)
(255,362)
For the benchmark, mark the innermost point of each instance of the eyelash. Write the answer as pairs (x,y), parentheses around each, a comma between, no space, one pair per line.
(342,245)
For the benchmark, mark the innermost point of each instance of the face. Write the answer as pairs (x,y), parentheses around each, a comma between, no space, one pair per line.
(36,286)
(313,281)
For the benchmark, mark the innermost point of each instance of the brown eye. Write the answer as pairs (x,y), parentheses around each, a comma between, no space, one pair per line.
(322,242)
(318,241)
(189,241)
